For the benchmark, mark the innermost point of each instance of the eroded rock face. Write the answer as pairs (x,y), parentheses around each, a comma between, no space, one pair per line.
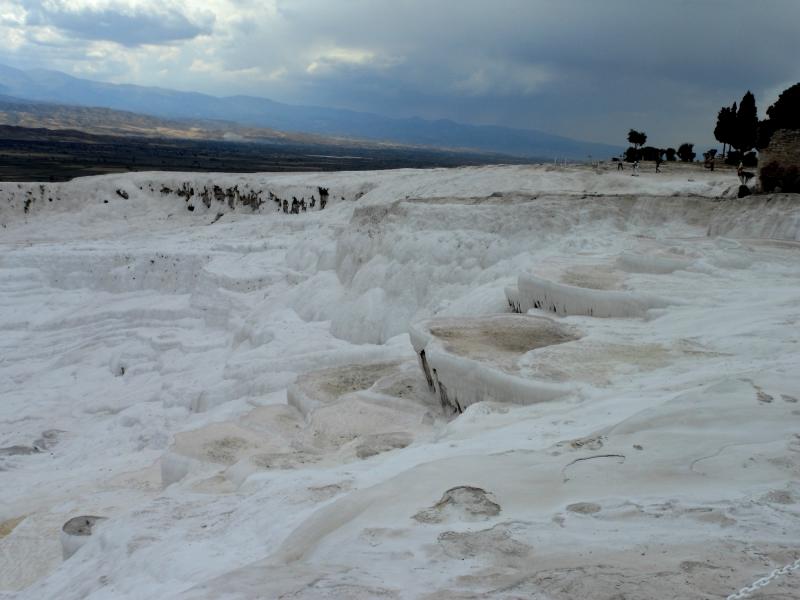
(355,411)
(584,508)
(371,445)
(76,532)
(18,450)
(81,525)
(495,545)
(8,526)
(327,385)
(48,438)
(462,503)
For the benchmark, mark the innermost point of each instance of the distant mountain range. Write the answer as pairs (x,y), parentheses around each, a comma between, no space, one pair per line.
(37,114)
(247,111)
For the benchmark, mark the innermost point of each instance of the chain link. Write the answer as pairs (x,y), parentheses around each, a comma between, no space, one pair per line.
(764,581)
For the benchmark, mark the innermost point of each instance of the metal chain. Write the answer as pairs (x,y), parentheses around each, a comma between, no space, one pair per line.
(764,581)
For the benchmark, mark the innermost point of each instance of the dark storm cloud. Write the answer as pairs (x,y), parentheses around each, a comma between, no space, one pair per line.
(126,25)
(586,68)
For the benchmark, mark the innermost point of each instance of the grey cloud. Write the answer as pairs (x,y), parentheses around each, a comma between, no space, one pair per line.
(126,25)
(665,66)
(582,68)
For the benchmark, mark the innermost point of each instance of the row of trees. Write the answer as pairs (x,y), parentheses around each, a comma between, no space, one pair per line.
(738,127)
(638,150)
(741,133)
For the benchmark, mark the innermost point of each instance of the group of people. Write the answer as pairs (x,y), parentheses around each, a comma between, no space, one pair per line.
(744,176)
(298,206)
(635,166)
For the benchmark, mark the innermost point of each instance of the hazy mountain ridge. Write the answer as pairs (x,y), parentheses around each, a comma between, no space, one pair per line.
(38,114)
(53,86)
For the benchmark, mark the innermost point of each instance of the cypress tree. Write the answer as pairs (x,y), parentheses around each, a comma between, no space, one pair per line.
(746,124)
(725,130)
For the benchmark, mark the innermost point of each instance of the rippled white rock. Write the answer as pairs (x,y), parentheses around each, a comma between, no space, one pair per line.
(157,345)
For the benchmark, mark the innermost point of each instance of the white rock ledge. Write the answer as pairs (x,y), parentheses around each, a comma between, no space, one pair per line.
(535,292)
(659,265)
(314,390)
(469,360)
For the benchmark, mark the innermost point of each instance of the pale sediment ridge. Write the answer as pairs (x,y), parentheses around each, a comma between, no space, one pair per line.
(319,404)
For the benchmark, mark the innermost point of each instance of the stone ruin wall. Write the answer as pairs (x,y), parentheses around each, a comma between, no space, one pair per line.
(784,148)
(783,154)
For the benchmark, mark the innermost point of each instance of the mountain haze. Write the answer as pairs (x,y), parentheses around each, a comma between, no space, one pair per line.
(54,86)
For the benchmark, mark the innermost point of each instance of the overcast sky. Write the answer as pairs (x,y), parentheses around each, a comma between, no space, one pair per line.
(588,69)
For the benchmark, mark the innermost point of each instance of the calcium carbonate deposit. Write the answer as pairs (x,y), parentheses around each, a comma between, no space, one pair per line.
(497,382)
